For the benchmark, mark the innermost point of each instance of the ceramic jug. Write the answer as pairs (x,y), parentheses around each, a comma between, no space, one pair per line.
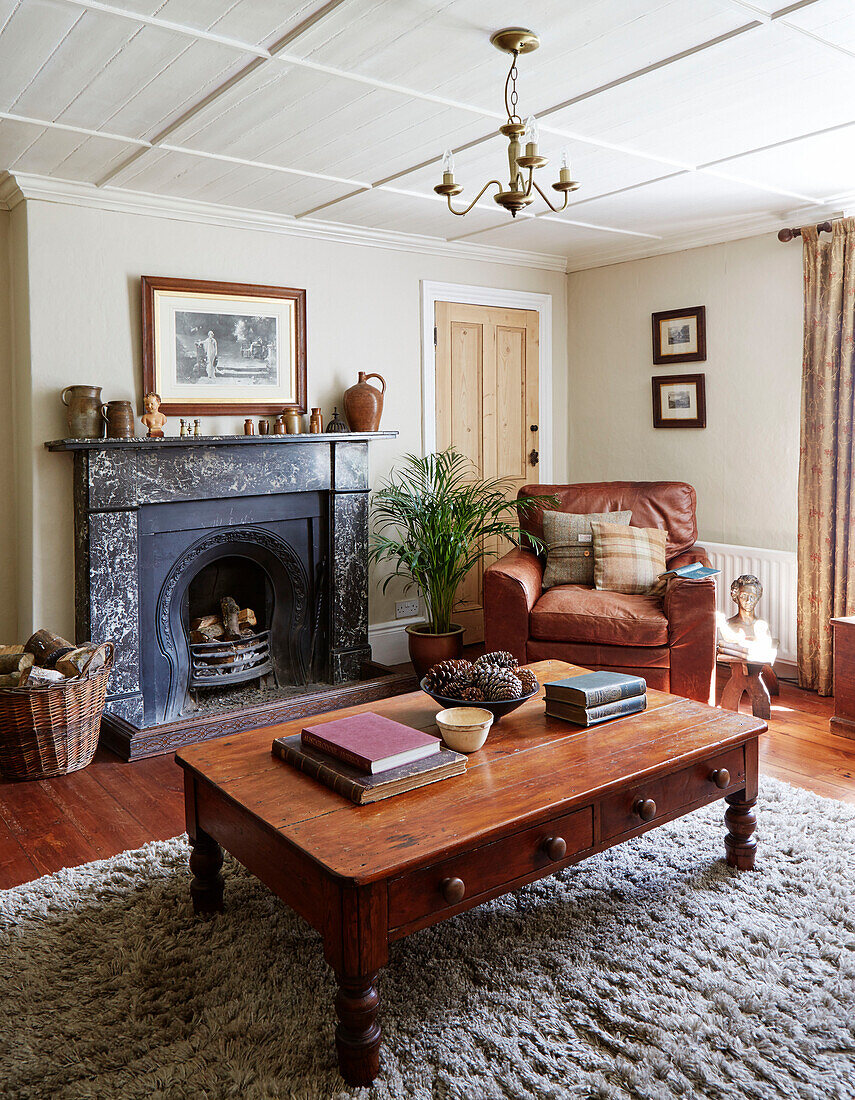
(363,404)
(119,416)
(84,411)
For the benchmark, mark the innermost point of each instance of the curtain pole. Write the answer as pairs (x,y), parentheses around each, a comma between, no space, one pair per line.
(788,234)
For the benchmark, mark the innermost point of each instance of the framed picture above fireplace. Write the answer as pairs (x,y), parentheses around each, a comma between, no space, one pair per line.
(223,347)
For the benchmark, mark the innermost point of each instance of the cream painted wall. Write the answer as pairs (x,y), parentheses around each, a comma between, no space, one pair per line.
(363,308)
(744,465)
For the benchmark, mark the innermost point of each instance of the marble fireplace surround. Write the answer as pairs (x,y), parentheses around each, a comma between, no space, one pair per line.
(115,484)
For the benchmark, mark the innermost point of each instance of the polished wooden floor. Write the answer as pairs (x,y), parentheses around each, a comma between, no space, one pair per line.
(112,806)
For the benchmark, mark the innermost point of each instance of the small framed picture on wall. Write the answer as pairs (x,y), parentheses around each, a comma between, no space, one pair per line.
(680,336)
(679,401)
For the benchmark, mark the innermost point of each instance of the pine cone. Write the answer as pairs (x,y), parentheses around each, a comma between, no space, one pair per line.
(472,694)
(442,675)
(502,684)
(528,680)
(499,659)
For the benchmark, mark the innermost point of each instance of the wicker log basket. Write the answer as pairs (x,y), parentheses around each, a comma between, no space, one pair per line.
(53,730)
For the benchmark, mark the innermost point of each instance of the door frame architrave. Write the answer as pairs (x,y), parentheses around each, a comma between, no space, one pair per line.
(462,294)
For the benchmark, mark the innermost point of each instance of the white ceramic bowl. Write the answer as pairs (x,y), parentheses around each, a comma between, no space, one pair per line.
(464,729)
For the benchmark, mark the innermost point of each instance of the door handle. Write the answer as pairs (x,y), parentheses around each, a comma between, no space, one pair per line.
(533,458)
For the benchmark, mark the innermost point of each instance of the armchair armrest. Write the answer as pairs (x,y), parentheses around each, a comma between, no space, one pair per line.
(512,586)
(689,607)
(696,553)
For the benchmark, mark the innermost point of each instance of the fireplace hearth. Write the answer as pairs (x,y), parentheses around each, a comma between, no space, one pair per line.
(232,577)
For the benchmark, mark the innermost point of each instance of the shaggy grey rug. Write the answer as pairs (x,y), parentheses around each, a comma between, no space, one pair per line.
(651,971)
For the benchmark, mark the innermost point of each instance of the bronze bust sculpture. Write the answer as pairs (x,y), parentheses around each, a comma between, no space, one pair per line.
(746,592)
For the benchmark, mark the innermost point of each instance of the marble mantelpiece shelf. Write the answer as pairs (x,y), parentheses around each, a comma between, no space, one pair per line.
(141,443)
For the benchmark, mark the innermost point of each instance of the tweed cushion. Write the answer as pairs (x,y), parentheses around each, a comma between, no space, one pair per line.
(628,559)
(570,547)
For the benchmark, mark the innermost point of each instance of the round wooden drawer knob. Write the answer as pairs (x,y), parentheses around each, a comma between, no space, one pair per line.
(721,778)
(645,808)
(555,847)
(452,889)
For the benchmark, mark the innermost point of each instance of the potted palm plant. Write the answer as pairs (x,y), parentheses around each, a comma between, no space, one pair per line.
(435,522)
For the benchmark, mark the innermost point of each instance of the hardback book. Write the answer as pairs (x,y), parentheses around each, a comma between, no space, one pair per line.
(695,571)
(592,689)
(359,786)
(591,716)
(371,742)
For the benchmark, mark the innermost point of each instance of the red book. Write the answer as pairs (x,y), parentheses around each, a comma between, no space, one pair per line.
(370,742)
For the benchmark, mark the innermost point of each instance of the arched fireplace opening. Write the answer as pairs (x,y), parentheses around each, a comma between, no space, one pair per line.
(229,608)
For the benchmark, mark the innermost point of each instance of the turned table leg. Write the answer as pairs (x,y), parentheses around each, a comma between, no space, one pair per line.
(206,889)
(741,821)
(357,1037)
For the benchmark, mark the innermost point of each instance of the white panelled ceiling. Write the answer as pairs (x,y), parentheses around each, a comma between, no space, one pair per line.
(687,121)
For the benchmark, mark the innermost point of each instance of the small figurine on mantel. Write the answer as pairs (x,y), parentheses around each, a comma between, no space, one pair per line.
(154,418)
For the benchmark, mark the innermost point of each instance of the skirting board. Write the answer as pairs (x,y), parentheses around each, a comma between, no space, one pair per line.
(388,641)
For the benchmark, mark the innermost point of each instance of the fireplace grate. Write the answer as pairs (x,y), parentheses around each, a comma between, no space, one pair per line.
(222,663)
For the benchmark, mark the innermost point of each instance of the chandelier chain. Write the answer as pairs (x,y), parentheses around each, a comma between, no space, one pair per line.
(512,98)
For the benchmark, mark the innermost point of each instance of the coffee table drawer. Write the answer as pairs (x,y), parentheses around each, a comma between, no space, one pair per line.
(659,797)
(444,885)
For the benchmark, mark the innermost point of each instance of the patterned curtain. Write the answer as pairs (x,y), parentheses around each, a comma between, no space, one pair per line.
(826,495)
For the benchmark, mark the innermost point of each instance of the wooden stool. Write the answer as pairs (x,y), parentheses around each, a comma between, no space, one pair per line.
(747,676)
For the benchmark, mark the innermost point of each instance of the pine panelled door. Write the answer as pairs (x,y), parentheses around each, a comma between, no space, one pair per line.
(487,408)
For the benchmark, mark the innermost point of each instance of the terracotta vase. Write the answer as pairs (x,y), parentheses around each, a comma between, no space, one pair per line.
(427,649)
(363,404)
(84,411)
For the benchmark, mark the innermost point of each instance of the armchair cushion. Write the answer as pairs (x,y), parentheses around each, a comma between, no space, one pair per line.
(628,559)
(570,545)
(574,613)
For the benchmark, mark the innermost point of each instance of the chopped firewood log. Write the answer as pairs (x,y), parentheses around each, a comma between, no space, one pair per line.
(6,649)
(247,616)
(10,679)
(35,676)
(231,611)
(15,662)
(73,663)
(47,647)
(205,621)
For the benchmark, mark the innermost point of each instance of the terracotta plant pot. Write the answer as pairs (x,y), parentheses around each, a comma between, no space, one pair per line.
(426,649)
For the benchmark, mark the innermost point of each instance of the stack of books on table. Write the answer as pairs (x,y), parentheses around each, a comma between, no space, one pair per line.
(594,697)
(368,757)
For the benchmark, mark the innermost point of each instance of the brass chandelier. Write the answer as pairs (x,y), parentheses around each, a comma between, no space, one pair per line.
(519,192)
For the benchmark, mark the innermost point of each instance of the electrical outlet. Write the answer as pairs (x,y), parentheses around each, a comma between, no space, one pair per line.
(406,609)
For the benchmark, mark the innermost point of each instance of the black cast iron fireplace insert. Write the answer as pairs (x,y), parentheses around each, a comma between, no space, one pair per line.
(194,555)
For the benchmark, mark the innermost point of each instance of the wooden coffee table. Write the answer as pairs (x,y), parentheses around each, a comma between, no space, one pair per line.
(538,797)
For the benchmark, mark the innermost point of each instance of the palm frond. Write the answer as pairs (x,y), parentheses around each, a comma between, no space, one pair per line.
(432,519)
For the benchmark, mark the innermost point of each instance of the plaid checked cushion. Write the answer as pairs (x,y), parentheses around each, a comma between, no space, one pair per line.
(628,559)
(570,546)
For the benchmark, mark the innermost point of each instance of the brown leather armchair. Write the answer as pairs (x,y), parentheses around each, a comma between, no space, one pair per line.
(669,640)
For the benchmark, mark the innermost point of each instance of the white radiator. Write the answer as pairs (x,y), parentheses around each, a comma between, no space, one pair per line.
(777,572)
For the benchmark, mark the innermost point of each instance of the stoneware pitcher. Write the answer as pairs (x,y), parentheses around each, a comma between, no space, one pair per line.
(363,404)
(84,411)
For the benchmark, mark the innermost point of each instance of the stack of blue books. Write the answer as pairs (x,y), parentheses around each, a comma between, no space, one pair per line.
(594,697)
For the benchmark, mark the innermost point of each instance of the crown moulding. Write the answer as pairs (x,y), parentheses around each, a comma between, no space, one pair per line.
(19,187)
